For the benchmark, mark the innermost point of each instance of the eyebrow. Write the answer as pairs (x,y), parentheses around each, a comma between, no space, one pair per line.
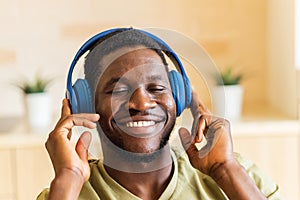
(113,81)
(156,77)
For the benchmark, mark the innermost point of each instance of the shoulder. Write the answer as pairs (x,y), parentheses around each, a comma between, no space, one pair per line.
(43,195)
(263,182)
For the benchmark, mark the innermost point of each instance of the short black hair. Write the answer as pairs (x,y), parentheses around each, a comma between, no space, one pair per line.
(114,41)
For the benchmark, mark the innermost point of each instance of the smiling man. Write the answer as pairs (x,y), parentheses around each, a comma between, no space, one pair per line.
(136,112)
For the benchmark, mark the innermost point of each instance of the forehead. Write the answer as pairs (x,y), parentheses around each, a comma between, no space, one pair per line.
(144,61)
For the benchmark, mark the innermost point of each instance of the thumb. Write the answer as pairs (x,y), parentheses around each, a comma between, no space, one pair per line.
(187,142)
(83,144)
(185,137)
(189,145)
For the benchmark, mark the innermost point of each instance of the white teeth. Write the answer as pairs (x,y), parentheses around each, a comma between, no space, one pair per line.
(140,124)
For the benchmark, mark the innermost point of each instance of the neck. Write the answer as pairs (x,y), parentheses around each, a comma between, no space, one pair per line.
(146,183)
(144,175)
(121,160)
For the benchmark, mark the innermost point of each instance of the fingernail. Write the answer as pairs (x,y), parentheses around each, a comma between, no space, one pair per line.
(93,125)
(199,138)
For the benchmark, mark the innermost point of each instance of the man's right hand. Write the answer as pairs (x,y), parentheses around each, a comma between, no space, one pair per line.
(70,164)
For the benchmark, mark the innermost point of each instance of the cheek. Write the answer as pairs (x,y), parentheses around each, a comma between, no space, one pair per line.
(170,105)
(107,107)
(103,107)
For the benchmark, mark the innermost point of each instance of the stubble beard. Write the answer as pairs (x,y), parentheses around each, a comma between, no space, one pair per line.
(134,157)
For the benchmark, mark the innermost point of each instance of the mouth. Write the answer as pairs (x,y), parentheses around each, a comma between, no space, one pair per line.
(141,128)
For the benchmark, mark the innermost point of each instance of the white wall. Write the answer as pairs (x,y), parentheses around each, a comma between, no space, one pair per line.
(282,80)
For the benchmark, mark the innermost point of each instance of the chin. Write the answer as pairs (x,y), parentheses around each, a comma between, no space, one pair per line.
(138,155)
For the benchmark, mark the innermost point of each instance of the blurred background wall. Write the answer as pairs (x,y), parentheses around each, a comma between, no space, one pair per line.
(255,37)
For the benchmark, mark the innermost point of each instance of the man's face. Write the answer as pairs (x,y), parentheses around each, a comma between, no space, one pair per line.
(135,102)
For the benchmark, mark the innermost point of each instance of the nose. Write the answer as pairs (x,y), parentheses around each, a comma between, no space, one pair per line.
(141,100)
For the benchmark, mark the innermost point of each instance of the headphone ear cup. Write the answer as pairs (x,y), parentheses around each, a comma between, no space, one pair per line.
(83,97)
(178,91)
(188,91)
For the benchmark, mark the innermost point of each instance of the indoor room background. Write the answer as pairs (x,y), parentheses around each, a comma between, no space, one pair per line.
(254,37)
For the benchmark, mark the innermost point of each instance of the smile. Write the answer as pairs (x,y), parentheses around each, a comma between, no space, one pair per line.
(139,124)
(142,126)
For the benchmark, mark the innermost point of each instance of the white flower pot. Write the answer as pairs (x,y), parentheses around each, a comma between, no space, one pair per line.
(228,101)
(38,109)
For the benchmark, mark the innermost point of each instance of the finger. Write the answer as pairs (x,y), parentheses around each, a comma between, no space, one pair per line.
(80,121)
(69,134)
(83,144)
(188,142)
(87,121)
(205,122)
(65,110)
(217,131)
(201,128)
(195,126)
(89,116)
(185,137)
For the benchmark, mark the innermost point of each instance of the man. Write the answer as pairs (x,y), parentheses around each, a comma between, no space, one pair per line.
(136,112)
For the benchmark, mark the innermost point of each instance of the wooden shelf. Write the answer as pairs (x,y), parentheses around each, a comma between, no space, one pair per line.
(263,119)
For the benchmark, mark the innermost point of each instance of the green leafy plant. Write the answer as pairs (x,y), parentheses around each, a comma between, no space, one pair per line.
(38,85)
(228,77)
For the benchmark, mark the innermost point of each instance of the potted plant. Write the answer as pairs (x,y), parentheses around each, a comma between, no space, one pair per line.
(228,94)
(37,101)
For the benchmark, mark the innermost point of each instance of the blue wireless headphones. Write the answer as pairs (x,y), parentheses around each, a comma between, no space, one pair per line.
(80,96)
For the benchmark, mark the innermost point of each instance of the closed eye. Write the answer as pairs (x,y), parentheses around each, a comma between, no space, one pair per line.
(156,88)
(120,90)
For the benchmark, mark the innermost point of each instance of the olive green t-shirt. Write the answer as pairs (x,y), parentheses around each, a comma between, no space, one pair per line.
(186,183)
